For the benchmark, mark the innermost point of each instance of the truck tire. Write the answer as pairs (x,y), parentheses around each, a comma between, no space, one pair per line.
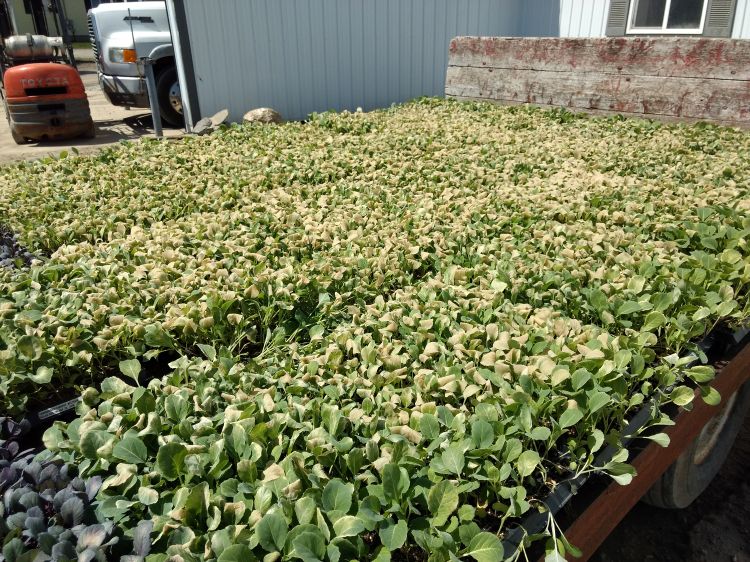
(694,469)
(168,94)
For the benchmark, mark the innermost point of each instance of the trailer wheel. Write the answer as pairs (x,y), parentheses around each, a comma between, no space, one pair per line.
(694,469)
(170,101)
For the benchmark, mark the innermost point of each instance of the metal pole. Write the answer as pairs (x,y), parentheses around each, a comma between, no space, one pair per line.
(62,17)
(148,67)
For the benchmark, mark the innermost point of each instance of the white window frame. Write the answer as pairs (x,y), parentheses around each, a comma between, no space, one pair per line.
(664,30)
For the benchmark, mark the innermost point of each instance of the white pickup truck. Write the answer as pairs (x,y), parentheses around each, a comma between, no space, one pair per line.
(122,33)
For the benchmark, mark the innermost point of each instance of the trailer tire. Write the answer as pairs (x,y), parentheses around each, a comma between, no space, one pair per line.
(694,469)
(166,82)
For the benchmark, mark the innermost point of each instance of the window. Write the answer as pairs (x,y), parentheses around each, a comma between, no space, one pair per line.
(709,18)
(667,16)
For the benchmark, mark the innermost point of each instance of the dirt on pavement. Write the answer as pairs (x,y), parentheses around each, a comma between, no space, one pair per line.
(113,124)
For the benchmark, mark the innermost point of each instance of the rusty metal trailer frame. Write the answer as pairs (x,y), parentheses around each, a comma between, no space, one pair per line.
(591,528)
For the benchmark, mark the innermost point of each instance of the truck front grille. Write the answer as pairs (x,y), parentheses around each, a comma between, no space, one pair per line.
(92,38)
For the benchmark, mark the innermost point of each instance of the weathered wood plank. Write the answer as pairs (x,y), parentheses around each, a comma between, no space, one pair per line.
(607,113)
(720,100)
(687,57)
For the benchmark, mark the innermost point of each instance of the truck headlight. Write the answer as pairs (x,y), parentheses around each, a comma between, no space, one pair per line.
(123,55)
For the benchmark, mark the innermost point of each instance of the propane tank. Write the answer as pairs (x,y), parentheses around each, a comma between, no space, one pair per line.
(36,47)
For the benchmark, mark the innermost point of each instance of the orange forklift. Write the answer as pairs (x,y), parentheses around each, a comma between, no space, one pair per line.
(43,93)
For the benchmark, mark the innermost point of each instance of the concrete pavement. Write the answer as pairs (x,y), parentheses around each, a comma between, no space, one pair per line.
(113,124)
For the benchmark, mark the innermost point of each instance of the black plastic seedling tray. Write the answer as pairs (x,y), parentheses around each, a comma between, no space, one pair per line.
(720,344)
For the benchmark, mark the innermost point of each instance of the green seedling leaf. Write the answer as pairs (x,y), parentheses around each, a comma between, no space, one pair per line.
(570,417)
(442,501)
(272,530)
(682,395)
(485,547)
(170,460)
(337,496)
(131,368)
(348,526)
(393,536)
(527,462)
(131,450)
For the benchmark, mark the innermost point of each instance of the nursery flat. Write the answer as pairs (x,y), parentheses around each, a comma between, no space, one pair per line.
(368,336)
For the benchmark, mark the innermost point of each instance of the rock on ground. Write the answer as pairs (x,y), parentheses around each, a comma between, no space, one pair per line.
(263,115)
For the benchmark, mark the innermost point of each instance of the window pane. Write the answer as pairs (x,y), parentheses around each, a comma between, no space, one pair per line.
(685,14)
(649,13)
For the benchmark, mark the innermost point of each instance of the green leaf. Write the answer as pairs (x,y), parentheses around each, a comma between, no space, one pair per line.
(598,300)
(682,395)
(236,553)
(392,481)
(92,441)
(527,462)
(132,450)
(580,378)
(208,350)
(442,500)
(659,438)
(540,433)
(170,460)
(485,547)
(131,369)
(304,509)
(272,530)
(597,401)
(393,537)
(570,417)
(482,434)
(628,307)
(29,347)
(701,313)
(710,395)
(429,426)
(309,546)
(176,407)
(43,375)
(147,496)
(337,496)
(453,459)
(348,526)
(654,319)
(702,373)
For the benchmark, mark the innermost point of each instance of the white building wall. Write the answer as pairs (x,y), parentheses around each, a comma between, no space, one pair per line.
(588,18)
(583,18)
(741,28)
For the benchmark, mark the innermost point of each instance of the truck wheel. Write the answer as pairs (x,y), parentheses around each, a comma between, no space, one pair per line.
(170,101)
(694,469)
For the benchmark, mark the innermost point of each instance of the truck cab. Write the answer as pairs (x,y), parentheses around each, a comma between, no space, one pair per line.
(121,34)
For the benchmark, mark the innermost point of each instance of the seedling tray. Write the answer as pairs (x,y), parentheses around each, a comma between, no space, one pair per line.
(719,345)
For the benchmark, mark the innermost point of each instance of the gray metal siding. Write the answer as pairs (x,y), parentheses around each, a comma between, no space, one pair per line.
(588,18)
(540,18)
(300,56)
